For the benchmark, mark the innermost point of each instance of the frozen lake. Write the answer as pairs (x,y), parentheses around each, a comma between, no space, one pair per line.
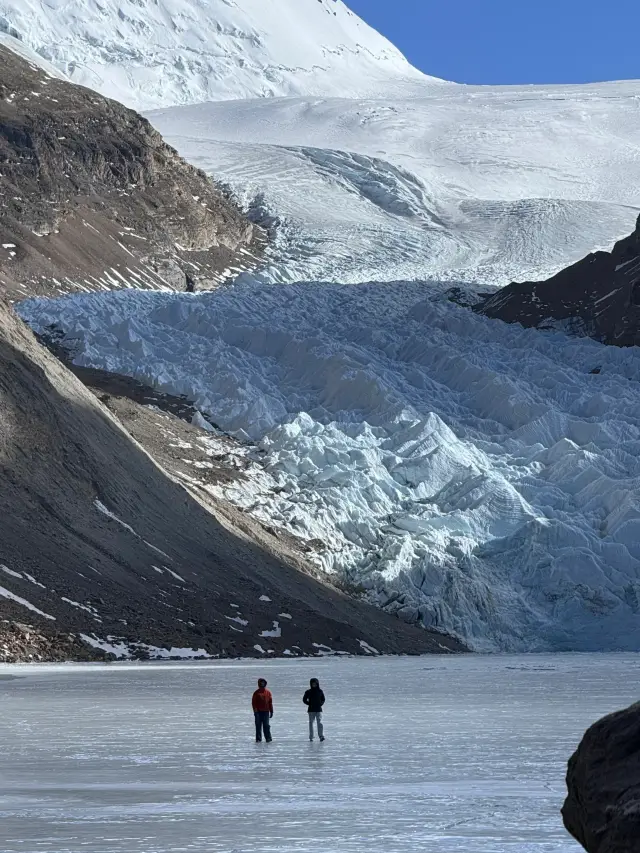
(447,755)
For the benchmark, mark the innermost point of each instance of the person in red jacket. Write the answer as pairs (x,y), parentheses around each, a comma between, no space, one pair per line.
(262,703)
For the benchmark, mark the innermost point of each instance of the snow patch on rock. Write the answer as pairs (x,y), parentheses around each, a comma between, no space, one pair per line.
(6,593)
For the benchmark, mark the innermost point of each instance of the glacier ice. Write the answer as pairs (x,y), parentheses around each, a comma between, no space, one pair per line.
(477,184)
(467,474)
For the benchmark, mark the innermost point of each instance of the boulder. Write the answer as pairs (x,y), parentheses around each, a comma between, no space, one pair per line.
(602,809)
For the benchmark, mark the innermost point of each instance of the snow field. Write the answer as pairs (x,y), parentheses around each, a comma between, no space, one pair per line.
(477,184)
(469,475)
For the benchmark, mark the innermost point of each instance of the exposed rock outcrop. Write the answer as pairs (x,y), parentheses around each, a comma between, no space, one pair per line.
(602,809)
(599,297)
(97,540)
(22,643)
(92,198)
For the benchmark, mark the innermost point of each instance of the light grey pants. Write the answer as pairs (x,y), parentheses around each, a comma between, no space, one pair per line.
(317,717)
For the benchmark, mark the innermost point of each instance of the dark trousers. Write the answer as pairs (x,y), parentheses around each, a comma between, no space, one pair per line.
(262,723)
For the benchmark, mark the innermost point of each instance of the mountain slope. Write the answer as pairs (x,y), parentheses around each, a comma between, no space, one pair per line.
(94,199)
(599,296)
(98,540)
(184,51)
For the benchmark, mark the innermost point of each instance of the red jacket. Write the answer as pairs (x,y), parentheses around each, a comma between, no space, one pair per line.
(262,700)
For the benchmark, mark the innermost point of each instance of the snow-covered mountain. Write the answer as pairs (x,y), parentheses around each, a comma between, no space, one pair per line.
(463,473)
(166,52)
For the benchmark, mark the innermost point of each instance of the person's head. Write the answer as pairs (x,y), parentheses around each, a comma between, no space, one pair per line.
(314,682)
(262,683)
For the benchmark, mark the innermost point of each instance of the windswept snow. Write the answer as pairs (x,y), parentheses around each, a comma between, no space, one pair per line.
(471,475)
(10,572)
(184,51)
(106,511)
(125,650)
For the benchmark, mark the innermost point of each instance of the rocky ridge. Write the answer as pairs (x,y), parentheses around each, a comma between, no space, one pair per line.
(94,199)
(598,297)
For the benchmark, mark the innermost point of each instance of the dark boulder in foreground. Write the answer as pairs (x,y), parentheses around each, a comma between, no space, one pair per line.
(602,809)
(598,297)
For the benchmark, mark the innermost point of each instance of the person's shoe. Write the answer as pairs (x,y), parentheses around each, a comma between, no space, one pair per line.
(310,740)
(269,739)
(322,738)
(258,740)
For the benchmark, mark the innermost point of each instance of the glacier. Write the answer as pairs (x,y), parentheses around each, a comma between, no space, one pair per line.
(472,476)
(462,473)
(484,185)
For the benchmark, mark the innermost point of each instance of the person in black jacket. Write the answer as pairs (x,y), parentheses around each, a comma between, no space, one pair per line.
(314,700)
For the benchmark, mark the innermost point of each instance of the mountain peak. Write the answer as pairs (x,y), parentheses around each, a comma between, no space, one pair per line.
(168,52)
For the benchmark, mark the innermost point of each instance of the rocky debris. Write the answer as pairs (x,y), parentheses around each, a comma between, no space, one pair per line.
(21,643)
(98,540)
(598,297)
(602,809)
(92,197)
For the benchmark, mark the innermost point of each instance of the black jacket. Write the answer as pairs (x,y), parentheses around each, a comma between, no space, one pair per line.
(314,698)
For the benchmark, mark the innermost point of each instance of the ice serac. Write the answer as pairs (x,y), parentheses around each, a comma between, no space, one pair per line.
(602,809)
(599,296)
(152,54)
(408,444)
(93,198)
(99,542)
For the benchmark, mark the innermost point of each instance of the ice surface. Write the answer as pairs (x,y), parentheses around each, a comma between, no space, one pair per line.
(185,51)
(453,480)
(478,184)
(440,755)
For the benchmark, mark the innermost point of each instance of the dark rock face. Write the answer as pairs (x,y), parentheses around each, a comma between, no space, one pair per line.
(97,539)
(602,809)
(92,198)
(598,297)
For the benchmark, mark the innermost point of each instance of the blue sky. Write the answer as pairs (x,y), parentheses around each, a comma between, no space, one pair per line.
(513,41)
